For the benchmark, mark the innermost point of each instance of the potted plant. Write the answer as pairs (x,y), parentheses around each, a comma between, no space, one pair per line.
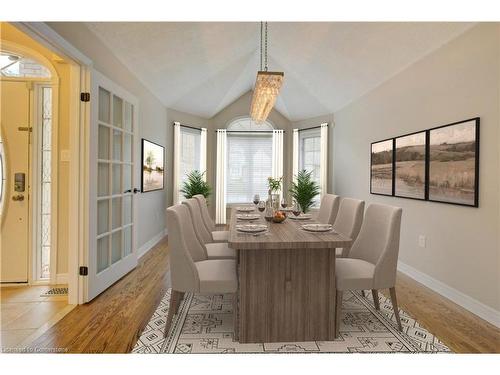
(195,185)
(304,190)
(274,186)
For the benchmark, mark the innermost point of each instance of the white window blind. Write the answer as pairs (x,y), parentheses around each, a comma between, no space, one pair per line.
(310,153)
(249,164)
(190,152)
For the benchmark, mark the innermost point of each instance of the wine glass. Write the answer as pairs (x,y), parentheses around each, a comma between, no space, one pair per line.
(283,202)
(256,199)
(296,209)
(261,206)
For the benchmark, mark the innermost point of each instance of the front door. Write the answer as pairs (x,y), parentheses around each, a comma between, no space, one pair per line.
(14,209)
(113,177)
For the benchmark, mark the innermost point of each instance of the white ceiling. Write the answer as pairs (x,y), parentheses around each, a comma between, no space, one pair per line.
(201,67)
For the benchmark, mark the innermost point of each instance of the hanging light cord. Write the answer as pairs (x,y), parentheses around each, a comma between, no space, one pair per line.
(263,51)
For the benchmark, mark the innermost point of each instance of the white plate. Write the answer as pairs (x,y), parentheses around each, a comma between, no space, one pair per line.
(317,227)
(251,228)
(245,209)
(247,216)
(300,217)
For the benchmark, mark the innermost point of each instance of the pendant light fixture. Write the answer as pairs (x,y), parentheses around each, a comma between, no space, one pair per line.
(267,84)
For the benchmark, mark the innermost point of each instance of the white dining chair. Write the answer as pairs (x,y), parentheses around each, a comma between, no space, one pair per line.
(190,271)
(373,258)
(328,209)
(217,235)
(348,221)
(214,250)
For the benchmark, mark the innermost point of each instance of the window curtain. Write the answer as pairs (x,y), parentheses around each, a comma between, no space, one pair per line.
(177,162)
(324,159)
(220,182)
(203,153)
(277,152)
(295,154)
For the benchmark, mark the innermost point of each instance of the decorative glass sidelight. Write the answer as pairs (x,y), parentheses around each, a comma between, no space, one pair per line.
(45,180)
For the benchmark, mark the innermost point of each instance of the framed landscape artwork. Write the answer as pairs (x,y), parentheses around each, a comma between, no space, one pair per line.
(381,169)
(454,163)
(153,166)
(410,166)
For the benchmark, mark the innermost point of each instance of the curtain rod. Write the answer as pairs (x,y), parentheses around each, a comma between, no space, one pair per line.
(314,127)
(190,127)
(250,131)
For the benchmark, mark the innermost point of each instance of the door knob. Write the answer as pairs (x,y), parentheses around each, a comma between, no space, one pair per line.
(136,190)
(18,198)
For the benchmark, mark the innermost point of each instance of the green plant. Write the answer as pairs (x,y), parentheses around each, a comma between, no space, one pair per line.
(274,184)
(304,190)
(195,185)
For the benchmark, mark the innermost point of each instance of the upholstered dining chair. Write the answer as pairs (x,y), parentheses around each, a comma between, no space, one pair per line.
(328,209)
(217,235)
(214,250)
(373,258)
(348,221)
(190,270)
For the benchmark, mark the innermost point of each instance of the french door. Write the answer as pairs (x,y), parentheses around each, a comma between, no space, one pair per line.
(113,184)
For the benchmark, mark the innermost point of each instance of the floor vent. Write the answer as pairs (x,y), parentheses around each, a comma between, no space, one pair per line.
(55,292)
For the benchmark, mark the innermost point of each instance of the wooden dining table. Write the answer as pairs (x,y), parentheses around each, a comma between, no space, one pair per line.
(286,282)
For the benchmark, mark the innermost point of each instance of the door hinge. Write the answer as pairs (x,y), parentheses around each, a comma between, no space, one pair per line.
(85,96)
(84,271)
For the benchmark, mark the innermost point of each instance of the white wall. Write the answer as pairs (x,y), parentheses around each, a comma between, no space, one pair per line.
(152,116)
(457,82)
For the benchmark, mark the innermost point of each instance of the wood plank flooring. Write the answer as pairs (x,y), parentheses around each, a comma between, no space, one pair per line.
(114,320)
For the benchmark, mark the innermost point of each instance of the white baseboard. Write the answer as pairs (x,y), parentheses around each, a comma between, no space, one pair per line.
(151,243)
(62,278)
(474,306)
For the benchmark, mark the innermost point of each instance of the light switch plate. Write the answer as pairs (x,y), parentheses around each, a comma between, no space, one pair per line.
(421,240)
(64,155)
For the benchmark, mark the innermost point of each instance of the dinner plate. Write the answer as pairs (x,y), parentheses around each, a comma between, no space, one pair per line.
(317,227)
(251,228)
(247,216)
(245,209)
(300,217)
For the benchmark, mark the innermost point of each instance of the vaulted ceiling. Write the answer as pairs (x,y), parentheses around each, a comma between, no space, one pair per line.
(201,67)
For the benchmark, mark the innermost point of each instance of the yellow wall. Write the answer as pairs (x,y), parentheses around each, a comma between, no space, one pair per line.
(11,34)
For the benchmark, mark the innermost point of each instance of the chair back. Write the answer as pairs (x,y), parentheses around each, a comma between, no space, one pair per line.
(378,242)
(328,209)
(349,219)
(184,249)
(203,235)
(205,214)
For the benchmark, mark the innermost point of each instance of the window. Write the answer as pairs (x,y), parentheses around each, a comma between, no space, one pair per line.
(310,152)
(12,65)
(189,153)
(249,160)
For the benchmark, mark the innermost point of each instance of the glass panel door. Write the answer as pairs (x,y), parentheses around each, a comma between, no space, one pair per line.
(112,250)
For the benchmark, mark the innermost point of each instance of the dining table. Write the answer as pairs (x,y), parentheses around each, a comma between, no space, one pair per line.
(286,280)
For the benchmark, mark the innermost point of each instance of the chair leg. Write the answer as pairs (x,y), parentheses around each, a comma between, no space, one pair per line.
(236,325)
(338,309)
(363,293)
(172,309)
(375,299)
(179,300)
(395,307)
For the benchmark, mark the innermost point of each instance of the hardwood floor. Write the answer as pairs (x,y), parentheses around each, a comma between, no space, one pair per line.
(114,320)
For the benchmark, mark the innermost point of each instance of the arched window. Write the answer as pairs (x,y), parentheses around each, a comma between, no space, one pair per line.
(14,65)
(249,160)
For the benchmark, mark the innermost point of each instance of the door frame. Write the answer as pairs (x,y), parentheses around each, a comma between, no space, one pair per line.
(80,69)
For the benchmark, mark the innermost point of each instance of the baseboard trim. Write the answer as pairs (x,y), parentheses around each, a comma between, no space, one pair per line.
(62,278)
(151,243)
(474,306)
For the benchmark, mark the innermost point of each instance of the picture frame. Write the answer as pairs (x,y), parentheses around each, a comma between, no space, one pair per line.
(152,166)
(453,163)
(410,155)
(382,167)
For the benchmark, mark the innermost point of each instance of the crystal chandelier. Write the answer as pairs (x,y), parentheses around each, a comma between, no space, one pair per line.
(267,85)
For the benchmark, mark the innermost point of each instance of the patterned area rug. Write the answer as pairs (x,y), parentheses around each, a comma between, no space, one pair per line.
(204,324)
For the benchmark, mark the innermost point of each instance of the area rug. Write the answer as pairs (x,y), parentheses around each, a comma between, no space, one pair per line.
(204,324)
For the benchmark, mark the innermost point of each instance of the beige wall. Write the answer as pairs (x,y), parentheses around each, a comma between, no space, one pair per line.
(152,117)
(459,81)
(11,34)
